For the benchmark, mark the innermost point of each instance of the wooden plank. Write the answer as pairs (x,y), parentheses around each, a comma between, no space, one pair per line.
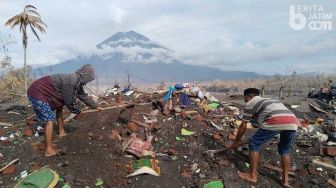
(332,182)
(277,169)
(317,108)
(4,124)
(332,167)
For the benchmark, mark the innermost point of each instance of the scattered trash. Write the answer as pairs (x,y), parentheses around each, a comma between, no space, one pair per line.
(214,184)
(216,126)
(45,177)
(213,105)
(145,166)
(128,93)
(185,132)
(184,99)
(319,121)
(184,119)
(137,147)
(24,174)
(321,137)
(99,182)
(294,106)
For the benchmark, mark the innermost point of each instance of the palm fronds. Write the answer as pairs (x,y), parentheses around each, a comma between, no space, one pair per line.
(30,17)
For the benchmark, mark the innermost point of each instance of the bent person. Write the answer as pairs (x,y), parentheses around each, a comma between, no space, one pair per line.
(55,91)
(273,118)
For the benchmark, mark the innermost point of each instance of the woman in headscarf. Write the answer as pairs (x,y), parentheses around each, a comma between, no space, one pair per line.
(55,91)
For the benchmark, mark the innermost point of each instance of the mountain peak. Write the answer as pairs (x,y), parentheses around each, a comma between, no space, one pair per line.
(128,39)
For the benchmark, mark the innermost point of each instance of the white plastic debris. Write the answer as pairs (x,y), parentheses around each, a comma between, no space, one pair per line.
(110,91)
(330,143)
(24,174)
(128,93)
(3,138)
(295,106)
(319,169)
(39,128)
(216,126)
(321,137)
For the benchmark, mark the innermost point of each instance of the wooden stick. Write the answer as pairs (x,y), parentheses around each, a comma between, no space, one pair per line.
(107,108)
(332,182)
(31,117)
(10,163)
(317,108)
(190,112)
(118,106)
(277,169)
(141,124)
(72,116)
(6,124)
(324,164)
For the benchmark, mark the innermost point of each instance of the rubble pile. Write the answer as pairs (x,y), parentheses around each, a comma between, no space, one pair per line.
(161,139)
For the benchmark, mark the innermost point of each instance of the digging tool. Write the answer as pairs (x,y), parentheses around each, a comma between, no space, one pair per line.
(211,153)
(72,116)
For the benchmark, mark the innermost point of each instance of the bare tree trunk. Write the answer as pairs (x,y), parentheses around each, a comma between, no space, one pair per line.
(25,69)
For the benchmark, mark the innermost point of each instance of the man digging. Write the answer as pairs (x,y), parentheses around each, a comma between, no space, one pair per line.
(273,118)
(52,93)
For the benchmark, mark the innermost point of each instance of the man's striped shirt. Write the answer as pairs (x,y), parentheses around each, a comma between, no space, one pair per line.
(270,114)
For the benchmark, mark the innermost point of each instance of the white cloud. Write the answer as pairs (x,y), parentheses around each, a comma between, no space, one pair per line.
(231,35)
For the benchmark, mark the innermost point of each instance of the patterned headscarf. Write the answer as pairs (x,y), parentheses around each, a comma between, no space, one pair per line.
(86,74)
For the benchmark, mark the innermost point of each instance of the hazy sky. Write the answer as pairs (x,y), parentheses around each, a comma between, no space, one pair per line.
(250,35)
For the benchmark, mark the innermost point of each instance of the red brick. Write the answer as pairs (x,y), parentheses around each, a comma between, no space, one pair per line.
(199,118)
(133,127)
(2,133)
(28,132)
(36,166)
(331,151)
(232,137)
(185,172)
(216,136)
(9,170)
(114,135)
(172,151)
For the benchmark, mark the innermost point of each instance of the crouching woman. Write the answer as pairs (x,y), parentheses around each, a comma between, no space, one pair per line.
(52,92)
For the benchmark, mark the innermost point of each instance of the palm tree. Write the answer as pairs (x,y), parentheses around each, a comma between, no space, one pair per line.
(29,17)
